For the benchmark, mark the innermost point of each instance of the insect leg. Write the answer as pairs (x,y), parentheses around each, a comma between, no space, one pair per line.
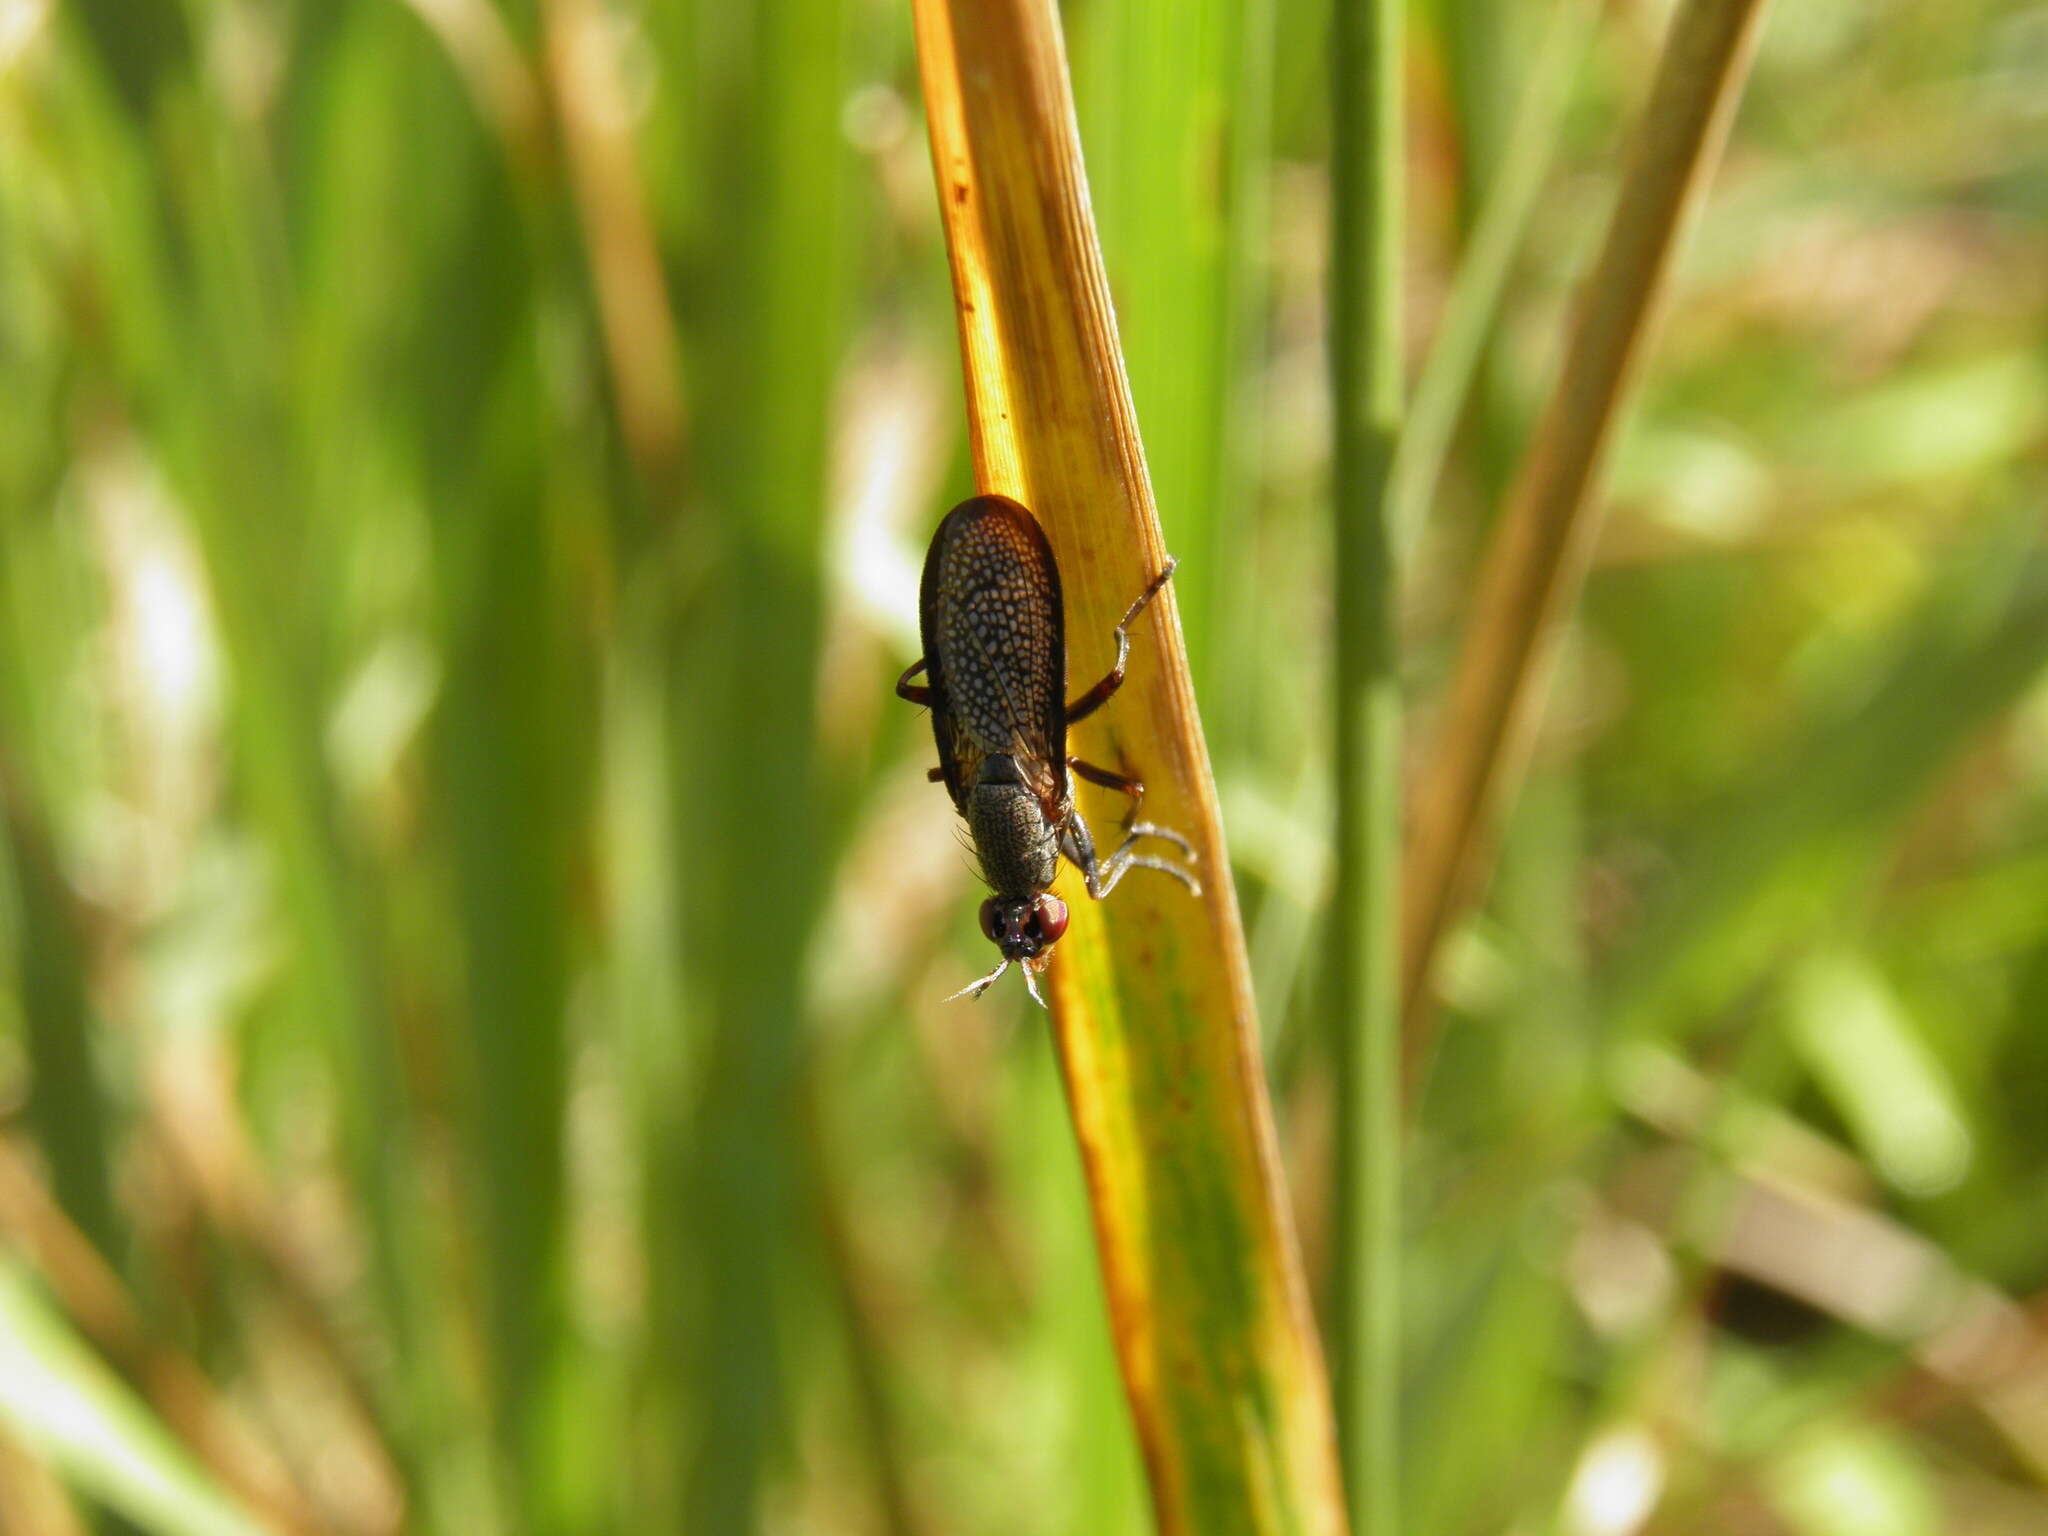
(1102,875)
(915,692)
(1115,866)
(1121,783)
(906,689)
(1078,844)
(1099,695)
(1138,829)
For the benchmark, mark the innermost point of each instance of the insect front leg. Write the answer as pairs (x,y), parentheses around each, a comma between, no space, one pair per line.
(1099,695)
(1102,875)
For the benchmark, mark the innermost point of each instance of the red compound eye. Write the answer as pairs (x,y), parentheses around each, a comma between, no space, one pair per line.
(991,919)
(1050,918)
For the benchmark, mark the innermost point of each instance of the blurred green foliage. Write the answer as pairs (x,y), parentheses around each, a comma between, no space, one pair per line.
(472,919)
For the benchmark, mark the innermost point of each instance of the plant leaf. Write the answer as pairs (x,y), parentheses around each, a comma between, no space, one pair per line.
(1152,1000)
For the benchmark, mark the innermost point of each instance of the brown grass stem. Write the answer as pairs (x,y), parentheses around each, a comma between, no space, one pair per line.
(1536,562)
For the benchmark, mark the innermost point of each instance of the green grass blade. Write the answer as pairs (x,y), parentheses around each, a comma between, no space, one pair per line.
(1367,167)
(1156,93)
(754,836)
(514,504)
(66,1105)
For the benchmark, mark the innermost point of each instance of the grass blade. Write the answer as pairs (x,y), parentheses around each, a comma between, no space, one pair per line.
(1152,993)
(68,1408)
(1457,352)
(1155,96)
(92,1296)
(752,809)
(1536,561)
(65,1102)
(1366,169)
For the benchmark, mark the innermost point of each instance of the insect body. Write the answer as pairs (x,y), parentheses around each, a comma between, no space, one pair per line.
(994,630)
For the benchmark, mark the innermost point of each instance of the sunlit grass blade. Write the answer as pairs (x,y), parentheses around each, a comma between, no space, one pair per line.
(1151,993)
(64,1404)
(1172,102)
(1537,556)
(101,1308)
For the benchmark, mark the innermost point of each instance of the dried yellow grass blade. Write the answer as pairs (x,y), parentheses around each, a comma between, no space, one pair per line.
(1151,990)
(1535,563)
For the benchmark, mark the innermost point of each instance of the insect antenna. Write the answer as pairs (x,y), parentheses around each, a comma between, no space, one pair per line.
(976,988)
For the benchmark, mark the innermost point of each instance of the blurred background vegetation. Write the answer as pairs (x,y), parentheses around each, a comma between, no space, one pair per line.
(472,918)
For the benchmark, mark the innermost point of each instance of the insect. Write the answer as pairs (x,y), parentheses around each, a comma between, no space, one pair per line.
(995,659)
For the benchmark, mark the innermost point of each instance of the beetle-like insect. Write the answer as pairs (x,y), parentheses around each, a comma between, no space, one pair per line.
(995,655)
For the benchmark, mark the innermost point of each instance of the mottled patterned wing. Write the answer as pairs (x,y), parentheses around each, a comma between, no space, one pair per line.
(995,645)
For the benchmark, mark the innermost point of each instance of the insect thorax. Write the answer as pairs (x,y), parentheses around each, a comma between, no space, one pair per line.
(1018,844)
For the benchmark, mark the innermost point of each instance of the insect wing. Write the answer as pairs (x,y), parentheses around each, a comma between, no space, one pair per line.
(994,643)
